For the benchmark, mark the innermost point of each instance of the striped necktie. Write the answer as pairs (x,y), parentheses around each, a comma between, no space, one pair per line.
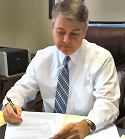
(62,89)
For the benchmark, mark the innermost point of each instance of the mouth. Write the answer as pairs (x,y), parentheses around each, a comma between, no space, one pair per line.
(66,46)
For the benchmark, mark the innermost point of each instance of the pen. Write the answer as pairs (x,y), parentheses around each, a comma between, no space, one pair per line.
(11,103)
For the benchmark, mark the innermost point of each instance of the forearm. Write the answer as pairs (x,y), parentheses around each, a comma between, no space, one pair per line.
(104,114)
(16,98)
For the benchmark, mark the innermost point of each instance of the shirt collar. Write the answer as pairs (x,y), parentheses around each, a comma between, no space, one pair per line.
(61,57)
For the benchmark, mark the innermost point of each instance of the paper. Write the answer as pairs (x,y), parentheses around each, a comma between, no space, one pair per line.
(123,137)
(2,122)
(44,125)
(110,132)
(72,118)
(35,126)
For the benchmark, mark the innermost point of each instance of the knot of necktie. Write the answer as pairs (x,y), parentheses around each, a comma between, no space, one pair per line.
(66,60)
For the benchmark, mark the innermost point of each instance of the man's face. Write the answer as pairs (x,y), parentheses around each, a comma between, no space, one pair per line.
(68,35)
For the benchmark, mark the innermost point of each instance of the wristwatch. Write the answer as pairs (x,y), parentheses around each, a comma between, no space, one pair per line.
(91,125)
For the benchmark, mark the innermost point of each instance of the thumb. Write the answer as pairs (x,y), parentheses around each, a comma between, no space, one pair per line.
(19,110)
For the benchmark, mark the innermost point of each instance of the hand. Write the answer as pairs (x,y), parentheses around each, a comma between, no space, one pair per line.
(76,130)
(10,116)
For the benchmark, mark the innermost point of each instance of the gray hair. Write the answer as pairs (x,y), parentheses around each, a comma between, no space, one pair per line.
(74,10)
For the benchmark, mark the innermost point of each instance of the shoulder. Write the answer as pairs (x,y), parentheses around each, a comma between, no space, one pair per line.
(95,51)
(46,54)
(96,56)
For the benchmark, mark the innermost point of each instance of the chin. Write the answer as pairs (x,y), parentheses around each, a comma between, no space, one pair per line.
(67,53)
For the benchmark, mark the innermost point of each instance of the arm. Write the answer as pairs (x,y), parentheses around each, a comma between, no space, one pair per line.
(24,90)
(107,93)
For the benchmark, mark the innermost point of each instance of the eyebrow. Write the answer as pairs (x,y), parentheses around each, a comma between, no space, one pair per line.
(60,28)
(76,29)
(72,30)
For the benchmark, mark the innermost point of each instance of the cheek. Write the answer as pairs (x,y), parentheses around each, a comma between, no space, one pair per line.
(58,40)
(77,44)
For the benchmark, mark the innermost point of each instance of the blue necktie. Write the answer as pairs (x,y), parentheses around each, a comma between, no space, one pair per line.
(62,89)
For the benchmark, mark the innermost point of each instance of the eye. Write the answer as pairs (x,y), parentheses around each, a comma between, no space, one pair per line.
(74,34)
(61,32)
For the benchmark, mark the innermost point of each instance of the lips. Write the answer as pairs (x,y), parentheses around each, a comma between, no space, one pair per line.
(66,46)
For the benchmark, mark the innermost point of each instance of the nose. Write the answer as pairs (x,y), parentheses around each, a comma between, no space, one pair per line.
(67,38)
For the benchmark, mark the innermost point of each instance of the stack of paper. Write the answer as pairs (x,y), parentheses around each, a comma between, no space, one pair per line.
(2,122)
(45,125)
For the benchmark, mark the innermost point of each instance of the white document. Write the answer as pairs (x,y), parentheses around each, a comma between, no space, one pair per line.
(123,137)
(38,125)
(110,132)
(35,126)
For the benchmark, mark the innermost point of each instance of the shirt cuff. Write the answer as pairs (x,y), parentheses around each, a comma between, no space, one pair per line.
(97,121)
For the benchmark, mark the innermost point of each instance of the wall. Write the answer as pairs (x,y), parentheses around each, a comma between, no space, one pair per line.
(26,23)
(33,24)
(106,10)
(7,23)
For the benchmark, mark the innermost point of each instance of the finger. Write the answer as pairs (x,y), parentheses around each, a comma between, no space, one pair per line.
(69,135)
(67,131)
(10,116)
(10,119)
(11,112)
(19,110)
(76,136)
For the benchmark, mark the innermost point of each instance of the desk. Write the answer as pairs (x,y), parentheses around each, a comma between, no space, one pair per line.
(3,128)
(6,83)
(2,131)
(121,131)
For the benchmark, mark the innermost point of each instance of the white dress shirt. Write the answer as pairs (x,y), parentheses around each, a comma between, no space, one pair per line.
(94,87)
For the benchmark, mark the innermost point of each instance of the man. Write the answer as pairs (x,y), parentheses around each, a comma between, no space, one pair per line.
(93,88)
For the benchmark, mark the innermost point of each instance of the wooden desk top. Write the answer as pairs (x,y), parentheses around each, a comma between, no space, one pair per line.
(11,77)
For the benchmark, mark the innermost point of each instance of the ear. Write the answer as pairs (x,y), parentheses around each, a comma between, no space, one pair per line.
(84,35)
(53,30)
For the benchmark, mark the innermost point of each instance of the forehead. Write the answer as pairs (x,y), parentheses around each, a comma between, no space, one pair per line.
(62,23)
